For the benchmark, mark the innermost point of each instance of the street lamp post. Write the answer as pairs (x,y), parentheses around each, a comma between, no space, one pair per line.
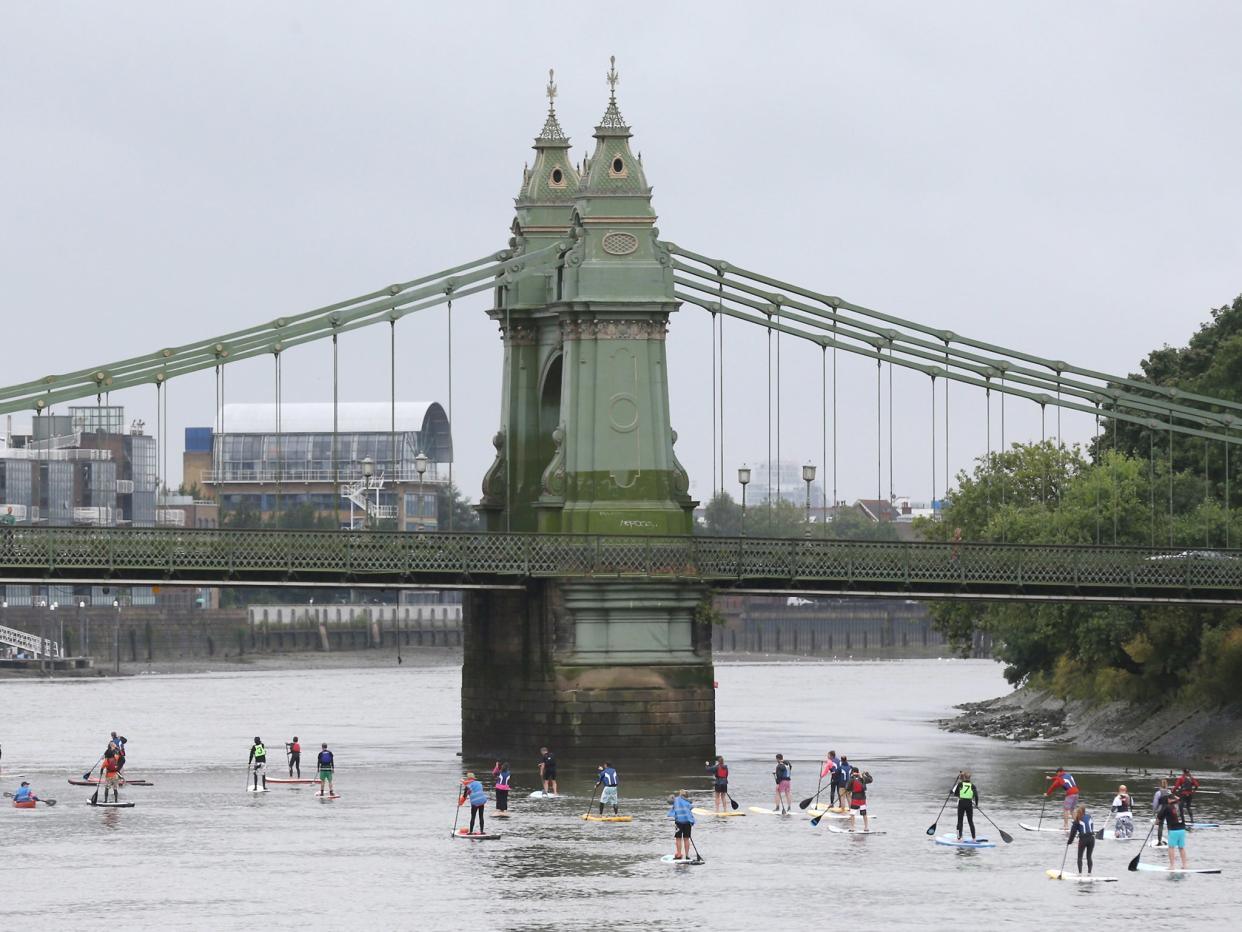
(116,636)
(808,476)
(420,467)
(83,648)
(368,470)
(743,476)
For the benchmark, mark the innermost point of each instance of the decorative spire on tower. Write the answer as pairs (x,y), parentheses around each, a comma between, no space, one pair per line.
(612,116)
(552,126)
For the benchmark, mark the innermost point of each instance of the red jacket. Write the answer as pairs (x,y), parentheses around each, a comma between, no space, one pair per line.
(1185,786)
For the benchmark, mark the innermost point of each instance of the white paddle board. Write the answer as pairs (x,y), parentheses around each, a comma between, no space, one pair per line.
(669,859)
(1155,868)
(540,794)
(1197,825)
(1055,874)
(709,812)
(953,842)
(251,789)
(859,831)
(761,811)
(1044,828)
(110,805)
(475,836)
(606,818)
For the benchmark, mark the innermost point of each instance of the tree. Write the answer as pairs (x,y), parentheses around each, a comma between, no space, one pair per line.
(450,501)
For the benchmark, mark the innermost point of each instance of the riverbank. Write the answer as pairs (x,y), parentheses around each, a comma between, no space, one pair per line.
(1212,734)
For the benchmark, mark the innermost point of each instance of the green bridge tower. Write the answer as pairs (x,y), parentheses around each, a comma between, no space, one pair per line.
(616,667)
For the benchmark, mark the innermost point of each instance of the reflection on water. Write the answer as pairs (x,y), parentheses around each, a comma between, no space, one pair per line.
(199,852)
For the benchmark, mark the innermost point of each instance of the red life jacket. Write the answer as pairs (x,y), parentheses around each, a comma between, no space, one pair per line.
(858,791)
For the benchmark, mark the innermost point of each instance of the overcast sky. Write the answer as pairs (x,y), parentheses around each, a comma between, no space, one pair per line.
(1059,177)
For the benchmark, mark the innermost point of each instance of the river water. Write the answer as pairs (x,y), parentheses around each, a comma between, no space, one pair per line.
(198,852)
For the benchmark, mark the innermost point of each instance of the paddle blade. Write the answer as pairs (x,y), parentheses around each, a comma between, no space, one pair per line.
(732,802)
(1099,833)
(49,802)
(87,775)
(95,799)
(1005,836)
(1135,861)
(815,821)
(931,829)
(806,802)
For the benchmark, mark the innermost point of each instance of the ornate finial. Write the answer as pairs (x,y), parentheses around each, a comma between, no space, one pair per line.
(551,89)
(551,127)
(612,116)
(613,77)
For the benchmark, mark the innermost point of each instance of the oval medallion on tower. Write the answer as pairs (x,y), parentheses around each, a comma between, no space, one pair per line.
(620,244)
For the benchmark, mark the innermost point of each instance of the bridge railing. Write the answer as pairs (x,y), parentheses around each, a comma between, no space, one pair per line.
(200,554)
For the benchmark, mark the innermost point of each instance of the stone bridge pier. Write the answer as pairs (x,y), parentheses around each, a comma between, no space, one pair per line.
(593,670)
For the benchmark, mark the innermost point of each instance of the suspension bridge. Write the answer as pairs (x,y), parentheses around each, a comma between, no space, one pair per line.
(582,592)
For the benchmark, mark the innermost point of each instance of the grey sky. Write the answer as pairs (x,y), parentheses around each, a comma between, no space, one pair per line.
(1061,177)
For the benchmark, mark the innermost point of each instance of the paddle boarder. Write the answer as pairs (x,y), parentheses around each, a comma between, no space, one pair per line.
(683,819)
(327,769)
(609,781)
(1123,813)
(1084,830)
(500,771)
(293,751)
(1170,816)
(720,774)
(1184,789)
(547,771)
(473,789)
(858,799)
(25,794)
(1062,780)
(118,744)
(967,795)
(258,761)
(784,775)
(110,771)
(1157,802)
(829,769)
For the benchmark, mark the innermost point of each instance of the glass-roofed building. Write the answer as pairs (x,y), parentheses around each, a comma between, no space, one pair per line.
(315,462)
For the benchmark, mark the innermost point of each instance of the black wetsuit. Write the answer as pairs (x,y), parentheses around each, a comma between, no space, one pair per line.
(966,805)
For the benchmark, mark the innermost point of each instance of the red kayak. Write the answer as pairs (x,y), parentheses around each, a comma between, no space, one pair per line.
(24,804)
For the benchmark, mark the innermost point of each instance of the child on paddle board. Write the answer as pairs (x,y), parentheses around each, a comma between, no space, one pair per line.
(1170,816)
(967,795)
(829,770)
(858,799)
(683,818)
(1063,780)
(294,751)
(1123,813)
(609,781)
(500,771)
(547,771)
(258,761)
(326,763)
(1084,830)
(1184,789)
(473,789)
(783,774)
(720,774)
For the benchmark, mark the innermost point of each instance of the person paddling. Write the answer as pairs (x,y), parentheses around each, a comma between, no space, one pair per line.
(293,750)
(1084,830)
(327,770)
(118,743)
(858,799)
(1170,816)
(25,794)
(609,780)
(258,762)
(1062,780)
(500,771)
(784,776)
(720,775)
(683,819)
(1184,789)
(547,771)
(110,771)
(1157,803)
(829,770)
(1123,813)
(473,790)
(967,795)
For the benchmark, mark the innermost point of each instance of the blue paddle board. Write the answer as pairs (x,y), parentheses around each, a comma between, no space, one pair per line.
(952,841)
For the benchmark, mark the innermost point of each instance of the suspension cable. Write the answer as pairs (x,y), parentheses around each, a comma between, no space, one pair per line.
(947,380)
(879,433)
(1004,469)
(336,444)
(769,476)
(392,423)
(834,427)
(933,446)
(987,403)
(778,415)
(891,496)
(509,348)
(1114,474)
(823,382)
(1043,461)
(715,422)
(448,493)
(1228,511)
(280,443)
(1151,481)
(1170,481)
(1099,459)
(1207,495)
(720,336)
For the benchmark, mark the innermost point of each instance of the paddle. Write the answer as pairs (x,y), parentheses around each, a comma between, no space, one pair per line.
(732,801)
(1005,836)
(810,799)
(460,799)
(1040,823)
(87,775)
(932,828)
(819,787)
(1135,861)
(591,803)
(815,821)
(1061,872)
(49,802)
(697,856)
(1099,832)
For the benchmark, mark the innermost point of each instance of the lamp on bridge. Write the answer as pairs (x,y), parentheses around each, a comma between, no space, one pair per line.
(743,476)
(116,636)
(808,476)
(368,470)
(83,647)
(420,467)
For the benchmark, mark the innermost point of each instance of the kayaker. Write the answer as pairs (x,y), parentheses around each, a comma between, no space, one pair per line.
(110,772)
(967,795)
(293,750)
(473,789)
(683,819)
(720,774)
(500,770)
(783,775)
(1084,830)
(857,788)
(1062,780)
(547,771)
(1184,789)
(326,764)
(1157,801)
(1171,817)
(258,761)
(829,770)
(1123,813)
(25,794)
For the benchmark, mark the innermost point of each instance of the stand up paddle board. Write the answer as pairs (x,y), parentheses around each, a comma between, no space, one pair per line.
(328,796)
(1055,874)
(1044,828)
(1157,844)
(291,780)
(261,789)
(97,782)
(1178,870)
(1195,825)
(827,810)
(111,805)
(605,818)
(692,862)
(540,794)
(500,814)
(859,831)
(723,815)
(761,811)
(952,841)
(475,836)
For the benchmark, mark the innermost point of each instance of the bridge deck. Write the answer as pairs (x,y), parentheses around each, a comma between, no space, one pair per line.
(385,559)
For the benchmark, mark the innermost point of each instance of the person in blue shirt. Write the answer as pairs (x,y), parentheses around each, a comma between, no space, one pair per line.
(25,794)
(1084,830)
(326,763)
(683,818)
(609,781)
(472,789)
